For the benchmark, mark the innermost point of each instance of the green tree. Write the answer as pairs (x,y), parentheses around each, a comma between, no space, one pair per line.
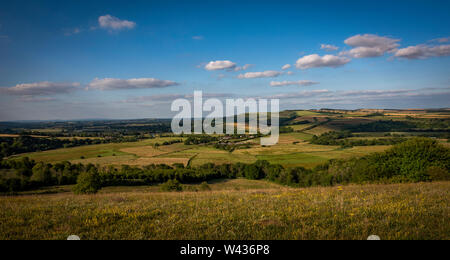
(88,182)
(42,174)
(252,172)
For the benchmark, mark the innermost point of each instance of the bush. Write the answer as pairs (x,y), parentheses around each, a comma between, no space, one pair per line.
(252,172)
(418,159)
(413,157)
(171,185)
(204,186)
(88,182)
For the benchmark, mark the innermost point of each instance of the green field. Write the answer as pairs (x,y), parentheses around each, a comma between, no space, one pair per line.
(307,113)
(292,150)
(234,209)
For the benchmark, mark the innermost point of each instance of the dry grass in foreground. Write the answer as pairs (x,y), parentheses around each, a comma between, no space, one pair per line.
(398,211)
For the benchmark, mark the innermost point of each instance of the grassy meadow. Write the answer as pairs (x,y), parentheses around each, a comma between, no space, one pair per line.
(234,209)
(292,150)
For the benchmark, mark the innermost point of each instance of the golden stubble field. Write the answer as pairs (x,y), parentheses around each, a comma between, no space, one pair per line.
(238,210)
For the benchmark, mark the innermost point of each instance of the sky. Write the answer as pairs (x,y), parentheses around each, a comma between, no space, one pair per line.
(67,60)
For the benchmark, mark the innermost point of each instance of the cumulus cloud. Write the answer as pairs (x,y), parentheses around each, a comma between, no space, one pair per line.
(371,40)
(120,84)
(364,52)
(301,83)
(264,74)
(225,65)
(109,22)
(329,47)
(285,67)
(220,65)
(423,51)
(370,45)
(315,61)
(41,88)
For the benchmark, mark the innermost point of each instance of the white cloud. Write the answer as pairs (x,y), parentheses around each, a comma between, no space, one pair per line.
(41,88)
(109,22)
(423,51)
(370,45)
(301,83)
(119,84)
(329,47)
(264,74)
(315,61)
(287,66)
(220,65)
(198,37)
(245,67)
(364,52)
(371,40)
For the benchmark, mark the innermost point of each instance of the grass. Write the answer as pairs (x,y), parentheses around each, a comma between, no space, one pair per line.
(307,113)
(264,211)
(300,127)
(104,154)
(318,130)
(292,150)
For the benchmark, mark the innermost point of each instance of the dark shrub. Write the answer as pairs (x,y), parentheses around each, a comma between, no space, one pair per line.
(252,172)
(204,186)
(171,185)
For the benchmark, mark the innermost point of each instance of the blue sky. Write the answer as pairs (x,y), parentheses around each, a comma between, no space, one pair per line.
(131,59)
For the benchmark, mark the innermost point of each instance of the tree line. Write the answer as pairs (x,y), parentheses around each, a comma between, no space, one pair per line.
(339,138)
(415,160)
(25,144)
(408,125)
